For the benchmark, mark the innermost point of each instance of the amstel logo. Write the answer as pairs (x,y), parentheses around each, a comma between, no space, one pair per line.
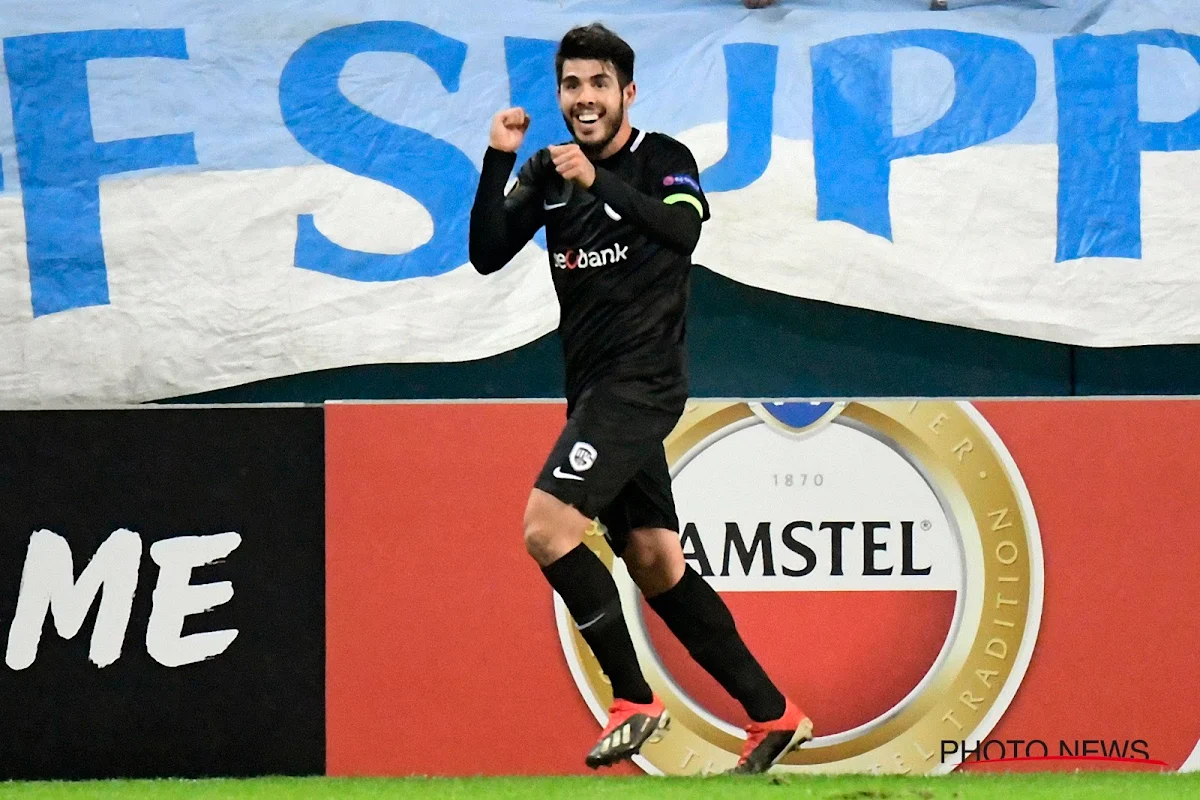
(881,559)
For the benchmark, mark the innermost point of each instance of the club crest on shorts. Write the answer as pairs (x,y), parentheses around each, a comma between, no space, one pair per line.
(582,456)
(882,561)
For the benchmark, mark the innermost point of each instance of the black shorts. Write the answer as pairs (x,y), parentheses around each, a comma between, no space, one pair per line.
(610,464)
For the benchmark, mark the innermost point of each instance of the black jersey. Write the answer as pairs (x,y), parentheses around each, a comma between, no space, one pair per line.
(619,253)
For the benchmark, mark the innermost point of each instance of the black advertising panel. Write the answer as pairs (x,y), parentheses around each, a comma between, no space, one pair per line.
(162,592)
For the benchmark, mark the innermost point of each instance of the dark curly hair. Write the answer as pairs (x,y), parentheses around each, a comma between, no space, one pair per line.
(596,42)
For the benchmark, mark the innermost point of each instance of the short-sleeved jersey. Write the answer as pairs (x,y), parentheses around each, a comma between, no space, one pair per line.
(623,294)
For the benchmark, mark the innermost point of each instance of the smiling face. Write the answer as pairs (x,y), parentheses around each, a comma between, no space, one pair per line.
(593,105)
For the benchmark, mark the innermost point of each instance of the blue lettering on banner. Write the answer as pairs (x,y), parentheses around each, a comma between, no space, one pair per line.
(533,86)
(853,143)
(1100,136)
(750,79)
(60,162)
(434,172)
(1101,141)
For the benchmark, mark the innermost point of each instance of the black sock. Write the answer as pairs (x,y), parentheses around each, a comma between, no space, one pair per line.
(591,596)
(699,618)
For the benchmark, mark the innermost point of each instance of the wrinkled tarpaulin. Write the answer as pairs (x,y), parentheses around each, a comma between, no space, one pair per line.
(197,195)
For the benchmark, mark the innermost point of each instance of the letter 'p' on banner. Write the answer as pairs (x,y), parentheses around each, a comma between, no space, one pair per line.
(162,593)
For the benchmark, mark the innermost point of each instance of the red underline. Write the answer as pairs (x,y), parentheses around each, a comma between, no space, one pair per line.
(1116,759)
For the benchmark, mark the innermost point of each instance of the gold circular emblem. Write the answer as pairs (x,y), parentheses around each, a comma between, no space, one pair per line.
(997,611)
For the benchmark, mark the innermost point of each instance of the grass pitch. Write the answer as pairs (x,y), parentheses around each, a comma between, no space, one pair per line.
(1054,786)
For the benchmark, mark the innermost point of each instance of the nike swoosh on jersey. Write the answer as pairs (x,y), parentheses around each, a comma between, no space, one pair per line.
(551,206)
(558,473)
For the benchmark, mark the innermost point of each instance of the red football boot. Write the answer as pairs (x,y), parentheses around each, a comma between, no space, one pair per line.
(768,742)
(629,726)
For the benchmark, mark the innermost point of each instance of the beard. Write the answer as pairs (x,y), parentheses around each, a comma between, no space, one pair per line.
(593,149)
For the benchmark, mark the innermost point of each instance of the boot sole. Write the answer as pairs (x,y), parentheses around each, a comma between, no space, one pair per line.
(803,734)
(626,752)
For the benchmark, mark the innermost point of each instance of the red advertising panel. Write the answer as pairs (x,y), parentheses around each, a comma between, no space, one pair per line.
(997,585)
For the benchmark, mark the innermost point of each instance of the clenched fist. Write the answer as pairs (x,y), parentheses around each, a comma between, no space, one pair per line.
(573,165)
(508,129)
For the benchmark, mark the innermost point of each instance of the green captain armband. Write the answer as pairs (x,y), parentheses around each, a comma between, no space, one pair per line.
(685,198)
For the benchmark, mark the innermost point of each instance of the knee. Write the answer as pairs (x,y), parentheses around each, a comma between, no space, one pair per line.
(642,554)
(655,560)
(539,535)
(551,529)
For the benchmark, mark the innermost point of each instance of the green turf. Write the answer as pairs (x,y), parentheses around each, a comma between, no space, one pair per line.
(1059,786)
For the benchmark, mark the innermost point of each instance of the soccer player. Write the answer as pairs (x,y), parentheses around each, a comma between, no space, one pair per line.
(622,210)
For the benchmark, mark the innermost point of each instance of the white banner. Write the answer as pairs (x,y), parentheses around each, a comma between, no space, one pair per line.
(194,199)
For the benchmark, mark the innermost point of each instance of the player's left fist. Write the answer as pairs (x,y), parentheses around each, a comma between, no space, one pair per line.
(573,165)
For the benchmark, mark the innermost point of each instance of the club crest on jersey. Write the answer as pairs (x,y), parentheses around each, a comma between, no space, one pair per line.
(582,259)
(887,554)
(582,456)
(682,180)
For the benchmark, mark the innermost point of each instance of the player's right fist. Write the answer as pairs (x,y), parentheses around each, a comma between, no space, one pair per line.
(508,129)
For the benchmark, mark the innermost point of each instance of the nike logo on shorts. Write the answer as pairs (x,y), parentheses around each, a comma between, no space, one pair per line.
(558,473)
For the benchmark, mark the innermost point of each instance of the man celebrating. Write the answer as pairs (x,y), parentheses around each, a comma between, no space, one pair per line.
(622,210)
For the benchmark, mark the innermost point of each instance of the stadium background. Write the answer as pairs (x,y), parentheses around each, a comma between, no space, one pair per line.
(338,627)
